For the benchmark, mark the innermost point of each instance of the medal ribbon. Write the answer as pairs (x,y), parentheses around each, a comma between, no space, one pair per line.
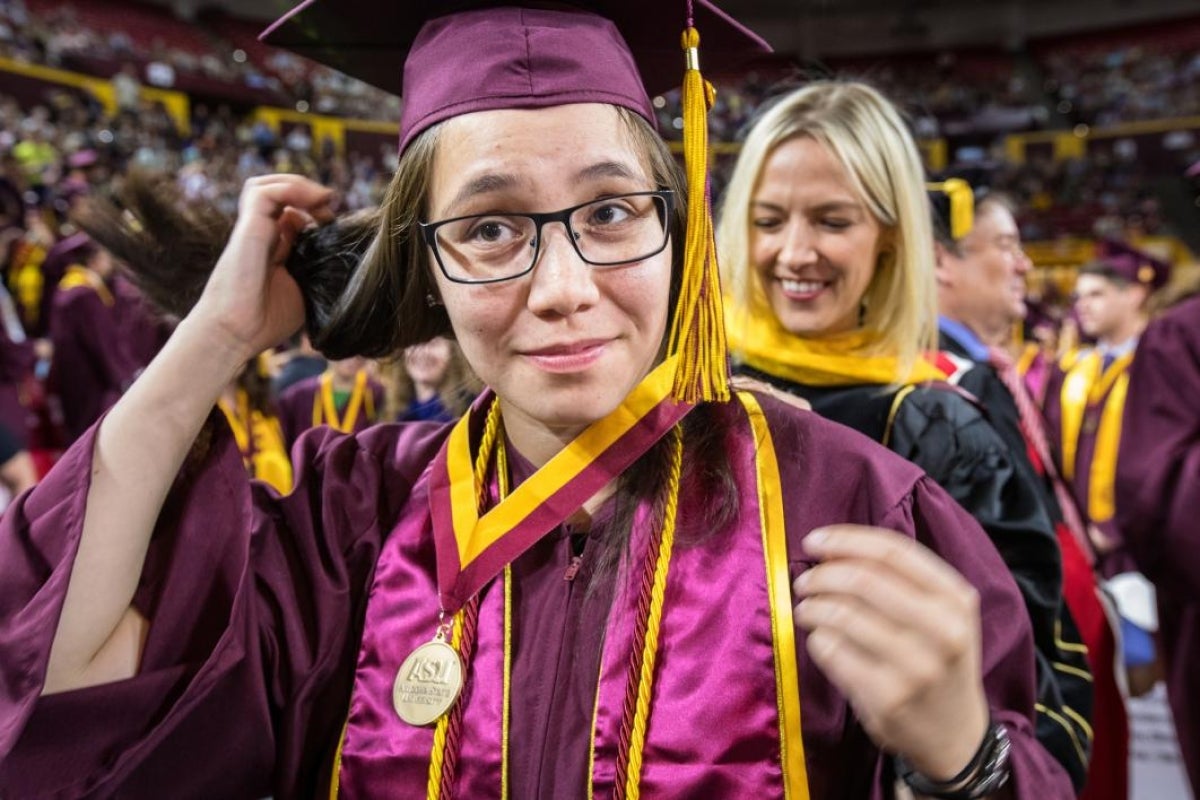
(473,549)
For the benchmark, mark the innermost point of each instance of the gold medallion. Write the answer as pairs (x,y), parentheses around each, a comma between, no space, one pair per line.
(428,683)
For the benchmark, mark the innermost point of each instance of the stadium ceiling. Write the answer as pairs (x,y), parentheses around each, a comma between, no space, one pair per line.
(824,28)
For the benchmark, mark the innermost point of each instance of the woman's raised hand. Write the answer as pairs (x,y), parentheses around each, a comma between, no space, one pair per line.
(896,629)
(250,301)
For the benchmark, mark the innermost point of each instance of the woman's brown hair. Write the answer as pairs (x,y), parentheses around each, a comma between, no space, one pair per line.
(367,282)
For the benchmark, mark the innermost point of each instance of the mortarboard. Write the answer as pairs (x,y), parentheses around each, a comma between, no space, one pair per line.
(1134,265)
(452,58)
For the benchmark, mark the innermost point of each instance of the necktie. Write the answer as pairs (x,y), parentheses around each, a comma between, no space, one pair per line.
(1034,432)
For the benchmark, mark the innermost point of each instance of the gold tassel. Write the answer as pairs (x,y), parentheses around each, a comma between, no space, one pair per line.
(698,331)
(962,205)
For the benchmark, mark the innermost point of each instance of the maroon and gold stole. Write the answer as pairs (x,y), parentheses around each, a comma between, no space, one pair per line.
(77,276)
(469,583)
(325,409)
(1084,389)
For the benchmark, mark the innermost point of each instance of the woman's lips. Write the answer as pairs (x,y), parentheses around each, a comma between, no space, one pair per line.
(569,356)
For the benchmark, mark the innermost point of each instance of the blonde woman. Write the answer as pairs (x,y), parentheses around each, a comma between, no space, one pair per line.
(431,382)
(826,237)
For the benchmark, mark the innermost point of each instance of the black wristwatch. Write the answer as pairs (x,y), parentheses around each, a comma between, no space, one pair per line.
(987,773)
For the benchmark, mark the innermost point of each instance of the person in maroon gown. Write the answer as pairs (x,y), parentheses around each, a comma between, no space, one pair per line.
(1084,411)
(18,354)
(583,586)
(1158,495)
(91,366)
(346,397)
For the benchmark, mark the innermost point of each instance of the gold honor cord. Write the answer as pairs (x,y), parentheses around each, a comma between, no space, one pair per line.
(637,739)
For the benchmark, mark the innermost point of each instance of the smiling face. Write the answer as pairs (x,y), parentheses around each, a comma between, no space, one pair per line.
(813,242)
(563,345)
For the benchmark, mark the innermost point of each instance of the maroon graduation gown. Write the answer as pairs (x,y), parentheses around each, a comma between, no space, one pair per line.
(16,363)
(139,328)
(91,366)
(295,407)
(255,604)
(1158,502)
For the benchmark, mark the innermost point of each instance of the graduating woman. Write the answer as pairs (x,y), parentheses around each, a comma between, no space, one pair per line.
(580,588)
(826,237)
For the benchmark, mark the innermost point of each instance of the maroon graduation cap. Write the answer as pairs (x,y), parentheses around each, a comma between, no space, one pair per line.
(1134,265)
(452,58)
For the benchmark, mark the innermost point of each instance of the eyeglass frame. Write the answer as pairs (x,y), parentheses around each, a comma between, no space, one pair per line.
(429,234)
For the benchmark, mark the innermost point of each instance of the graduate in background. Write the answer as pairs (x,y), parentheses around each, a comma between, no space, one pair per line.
(1084,415)
(346,397)
(431,382)
(91,365)
(981,270)
(293,363)
(598,555)
(1158,501)
(246,404)
(825,234)
(1037,358)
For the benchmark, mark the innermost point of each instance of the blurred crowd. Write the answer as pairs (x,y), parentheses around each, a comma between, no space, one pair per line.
(61,35)
(947,93)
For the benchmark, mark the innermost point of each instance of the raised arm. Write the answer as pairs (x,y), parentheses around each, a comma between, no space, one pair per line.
(249,304)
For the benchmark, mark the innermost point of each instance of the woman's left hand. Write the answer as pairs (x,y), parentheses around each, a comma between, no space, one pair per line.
(896,629)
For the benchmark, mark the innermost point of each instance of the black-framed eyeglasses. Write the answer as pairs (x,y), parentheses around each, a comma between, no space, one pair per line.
(488,248)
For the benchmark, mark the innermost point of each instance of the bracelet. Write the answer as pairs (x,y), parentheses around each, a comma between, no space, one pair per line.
(986,773)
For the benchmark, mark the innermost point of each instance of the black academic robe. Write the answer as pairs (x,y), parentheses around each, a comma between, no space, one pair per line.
(947,436)
(1083,618)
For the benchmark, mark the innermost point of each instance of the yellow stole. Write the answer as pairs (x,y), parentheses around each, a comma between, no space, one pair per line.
(77,276)
(325,410)
(26,279)
(1085,387)
(260,440)
(1029,354)
(757,339)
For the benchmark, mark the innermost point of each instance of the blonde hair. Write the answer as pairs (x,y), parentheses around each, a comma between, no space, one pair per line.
(868,136)
(458,388)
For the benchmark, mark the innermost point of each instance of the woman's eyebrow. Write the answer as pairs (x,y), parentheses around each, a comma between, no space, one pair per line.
(484,184)
(607,169)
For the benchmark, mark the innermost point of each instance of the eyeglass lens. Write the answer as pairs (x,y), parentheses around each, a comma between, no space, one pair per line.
(614,230)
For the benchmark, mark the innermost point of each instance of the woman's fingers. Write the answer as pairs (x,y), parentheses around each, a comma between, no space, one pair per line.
(890,551)
(291,222)
(249,298)
(897,631)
